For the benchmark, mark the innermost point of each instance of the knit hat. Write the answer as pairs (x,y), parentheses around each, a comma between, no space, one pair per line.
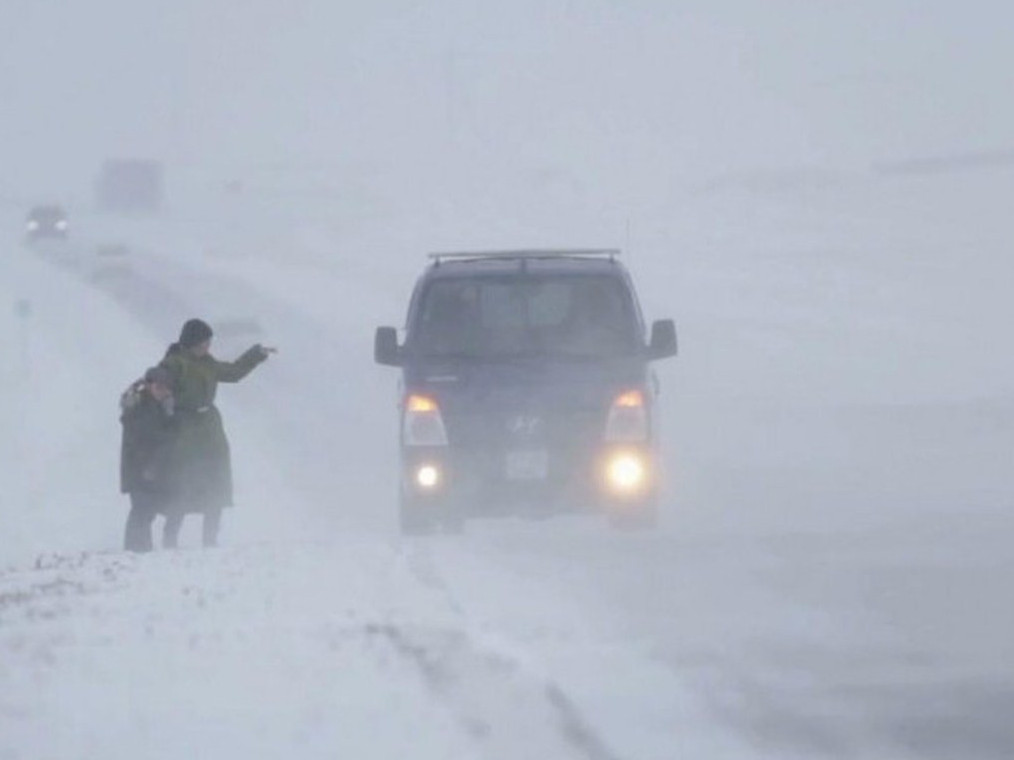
(158,375)
(194,333)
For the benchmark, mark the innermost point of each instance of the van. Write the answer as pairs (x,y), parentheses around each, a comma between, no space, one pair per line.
(526,389)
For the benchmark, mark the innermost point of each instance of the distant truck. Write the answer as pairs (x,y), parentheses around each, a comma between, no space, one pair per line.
(130,186)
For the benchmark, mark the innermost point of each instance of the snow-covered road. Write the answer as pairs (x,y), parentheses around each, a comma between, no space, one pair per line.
(260,651)
(829,581)
(496,647)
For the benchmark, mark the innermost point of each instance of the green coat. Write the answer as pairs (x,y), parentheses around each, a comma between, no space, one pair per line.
(201,459)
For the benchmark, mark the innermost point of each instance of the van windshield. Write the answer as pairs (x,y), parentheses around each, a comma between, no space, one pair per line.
(555,316)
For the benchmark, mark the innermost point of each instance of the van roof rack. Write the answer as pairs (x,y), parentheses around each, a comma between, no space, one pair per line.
(530,253)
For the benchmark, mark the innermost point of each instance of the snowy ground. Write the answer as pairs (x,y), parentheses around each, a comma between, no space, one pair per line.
(829,581)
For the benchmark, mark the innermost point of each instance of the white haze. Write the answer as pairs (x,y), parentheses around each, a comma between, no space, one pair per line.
(817,193)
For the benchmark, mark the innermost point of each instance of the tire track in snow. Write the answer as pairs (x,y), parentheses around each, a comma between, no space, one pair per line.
(457,668)
(504,709)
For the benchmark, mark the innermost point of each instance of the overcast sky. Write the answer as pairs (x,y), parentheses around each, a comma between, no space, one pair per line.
(627,93)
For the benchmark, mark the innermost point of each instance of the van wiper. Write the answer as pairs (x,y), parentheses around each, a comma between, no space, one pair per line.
(506,356)
(501,356)
(441,355)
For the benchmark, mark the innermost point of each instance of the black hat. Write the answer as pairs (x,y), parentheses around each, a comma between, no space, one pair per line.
(159,375)
(194,333)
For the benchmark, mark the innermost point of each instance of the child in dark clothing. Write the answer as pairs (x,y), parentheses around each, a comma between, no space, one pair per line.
(149,429)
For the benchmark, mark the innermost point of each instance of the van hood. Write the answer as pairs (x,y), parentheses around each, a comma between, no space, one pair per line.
(524,383)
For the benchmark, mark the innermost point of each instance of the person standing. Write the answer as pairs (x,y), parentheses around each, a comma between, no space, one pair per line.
(149,431)
(203,466)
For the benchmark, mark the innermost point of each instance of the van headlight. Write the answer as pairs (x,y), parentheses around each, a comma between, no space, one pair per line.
(626,473)
(628,419)
(428,477)
(422,423)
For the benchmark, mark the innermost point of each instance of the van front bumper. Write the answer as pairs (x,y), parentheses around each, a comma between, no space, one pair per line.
(489,482)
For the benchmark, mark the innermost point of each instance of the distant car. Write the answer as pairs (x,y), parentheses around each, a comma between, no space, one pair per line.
(46,222)
(526,390)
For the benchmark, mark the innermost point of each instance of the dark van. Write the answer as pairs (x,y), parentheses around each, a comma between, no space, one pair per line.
(527,389)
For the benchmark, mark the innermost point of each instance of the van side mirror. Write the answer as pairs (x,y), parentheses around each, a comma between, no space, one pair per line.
(385,347)
(663,339)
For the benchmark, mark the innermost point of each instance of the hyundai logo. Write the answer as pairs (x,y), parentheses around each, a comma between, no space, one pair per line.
(525,425)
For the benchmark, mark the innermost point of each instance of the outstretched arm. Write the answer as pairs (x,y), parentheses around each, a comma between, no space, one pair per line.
(233,372)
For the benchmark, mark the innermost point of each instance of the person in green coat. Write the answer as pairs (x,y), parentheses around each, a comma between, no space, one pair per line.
(202,464)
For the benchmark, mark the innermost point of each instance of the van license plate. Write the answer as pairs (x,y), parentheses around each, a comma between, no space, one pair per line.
(527,465)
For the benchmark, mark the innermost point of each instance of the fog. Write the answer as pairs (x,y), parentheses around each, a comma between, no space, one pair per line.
(631,101)
(817,194)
